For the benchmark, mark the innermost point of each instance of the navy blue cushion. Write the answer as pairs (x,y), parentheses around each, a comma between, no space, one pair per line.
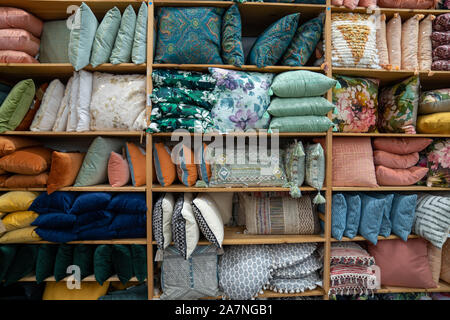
(402,214)
(55,221)
(56,235)
(90,201)
(128,221)
(99,233)
(57,202)
(128,203)
(386,226)
(371,215)
(94,219)
(132,233)
(353,214)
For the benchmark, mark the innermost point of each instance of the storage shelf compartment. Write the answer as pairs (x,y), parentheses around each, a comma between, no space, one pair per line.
(442,287)
(183,188)
(396,135)
(97,188)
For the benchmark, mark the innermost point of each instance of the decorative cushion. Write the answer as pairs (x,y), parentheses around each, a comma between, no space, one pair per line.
(23,264)
(353,216)
(242,99)
(34,107)
(349,253)
(435,260)
(162,220)
(139,260)
(82,37)
(436,157)
(307,282)
(204,43)
(27,234)
(165,169)
(9,144)
(139,50)
(352,280)
(402,214)
(26,181)
(307,266)
(410,43)
(89,291)
(55,221)
(371,216)
(203,166)
(136,161)
(445,266)
(406,4)
(103,263)
(54,235)
(45,261)
(401,145)
(338,216)
(63,112)
(386,225)
(7,253)
(33,160)
(83,256)
(285,107)
(208,218)
(424,53)
(441,52)
(123,265)
(443,65)
(394,41)
(64,169)
(72,120)
(183,79)
(300,124)
(399,177)
(11,56)
(432,219)
(180,94)
(434,101)
(442,22)
(382,47)
(294,163)
(17,201)
(18,220)
(395,161)
(83,101)
(315,169)
(185,165)
(128,203)
(439,38)
(224,201)
(356,101)
(19,40)
(398,106)
(89,202)
(64,258)
(284,255)
(54,42)
(185,230)
(172,124)
(232,51)
(20,19)
(273,42)
(121,52)
(118,171)
(436,123)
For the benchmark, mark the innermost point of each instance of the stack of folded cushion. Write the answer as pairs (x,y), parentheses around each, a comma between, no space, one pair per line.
(441,42)
(299,105)
(352,4)
(19,36)
(434,111)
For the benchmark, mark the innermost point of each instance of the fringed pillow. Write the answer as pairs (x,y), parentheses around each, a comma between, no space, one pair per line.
(349,253)
(350,280)
(284,255)
(306,267)
(296,285)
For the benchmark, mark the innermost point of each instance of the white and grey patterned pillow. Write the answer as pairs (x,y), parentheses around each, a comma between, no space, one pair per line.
(190,279)
(208,218)
(162,221)
(284,255)
(308,282)
(185,231)
(310,264)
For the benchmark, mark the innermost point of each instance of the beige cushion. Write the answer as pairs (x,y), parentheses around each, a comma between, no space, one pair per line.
(445,262)
(382,43)
(410,42)
(425,47)
(434,258)
(393,39)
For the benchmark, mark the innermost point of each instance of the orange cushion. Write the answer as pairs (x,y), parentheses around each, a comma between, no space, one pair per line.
(203,166)
(26,181)
(136,161)
(118,171)
(399,177)
(3,178)
(165,169)
(28,119)
(12,56)
(32,160)
(10,144)
(154,179)
(186,167)
(395,161)
(64,169)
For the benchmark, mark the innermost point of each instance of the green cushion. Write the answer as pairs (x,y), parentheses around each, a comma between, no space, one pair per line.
(105,37)
(83,256)
(64,258)
(54,42)
(308,106)
(103,263)
(45,262)
(16,105)
(121,52)
(4,91)
(7,254)
(123,264)
(139,258)
(139,51)
(300,124)
(94,169)
(24,264)
(82,37)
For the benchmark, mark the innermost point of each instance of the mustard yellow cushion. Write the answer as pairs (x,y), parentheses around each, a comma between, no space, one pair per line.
(20,235)
(19,219)
(17,200)
(88,291)
(434,123)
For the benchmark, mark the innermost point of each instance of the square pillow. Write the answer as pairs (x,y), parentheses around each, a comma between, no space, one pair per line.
(315,169)
(242,99)
(121,52)
(445,266)
(185,230)
(89,202)
(203,166)
(438,173)
(439,38)
(353,218)
(371,216)
(386,225)
(398,106)
(181,93)
(45,261)
(164,167)
(401,145)
(57,221)
(20,19)
(399,177)
(64,258)
(395,161)
(7,254)
(34,107)
(442,65)
(123,264)
(118,171)
(183,79)
(285,107)
(30,161)
(304,42)
(103,263)
(23,235)
(201,25)
(83,257)
(402,214)
(434,101)
(300,124)
(82,37)
(139,261)
(105,37)
(64,108)
(54,42)
(83,101)
(10,144)
(436,123)
(23,264)
(424,54)
(224,201)
(208,218)
(64,169)
(162,222)
(92,220)
(12,56)
(356,101)
(26,181)
(18,220)
(128,203)
(273,42)
(139,50)
(54,235)
(288,254)
(137,165)
(231,45)
(19,40)
(410,43)
(338,216)
(128,222)
(185,165)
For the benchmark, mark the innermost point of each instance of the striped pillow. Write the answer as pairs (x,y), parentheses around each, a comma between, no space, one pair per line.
(432,220)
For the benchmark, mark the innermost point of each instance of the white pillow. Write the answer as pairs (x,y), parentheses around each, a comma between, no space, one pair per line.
(84,101)
(224,201)
(63,112)
(140,123)
(117,100)
(72,117)
(162,222)
(208,218)
(46,114)
(185,231)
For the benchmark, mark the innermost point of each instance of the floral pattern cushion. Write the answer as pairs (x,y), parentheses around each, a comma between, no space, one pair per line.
(172,124)
(440,38)
(356,100)
(183,79)
(442,52)
(189,35)
(441,65)
(273,42)
(242,99)
(398,106)
(442,22)
(232,50)
(174,110)
(435,101)
(438,161)
(204,99)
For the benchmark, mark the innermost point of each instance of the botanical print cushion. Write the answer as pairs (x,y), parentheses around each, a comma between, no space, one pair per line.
(172,124)
(179,110)
(295,285)
(442,22)
(273,42)
(441,65)
(398,106)
(232,51)
(439,38)
(242,99)
(202,98)
(356,100)
(435,101)
(438,158)
(183,79)
(442,52)
(189,35)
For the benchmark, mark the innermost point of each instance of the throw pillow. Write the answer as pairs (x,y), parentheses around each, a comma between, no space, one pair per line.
(185,230)
(23,235)
(436,123)
(386,225)
(118,171)
(29,161)
(63,112)
(231,45)
(382,47)
(435,260)
(18,220)
(34,107)
(122,262)
(402,214)
(19,40)
(136,161)
(399,177)
(338,216)
(89,202)
(208,218)
(54,42)
(23,264)
(224,201)
(20,19)
(296,285)
(435,101)
(285,107)
(26,181)
(395,161)
(9,144)
(203,166)
(128,203)
(349,253)
(64,169)
(438,171)
(315,169)
(45,261)
(294,163)
(103,263)
(139,50)
(394,40)
(401,145)
(371,217)
(139,260)
(410,43)
(17,201)
(162,222)
(300,124)
(63,259)
(164,167)
(83,257)
(183,79)
(121,52)
(353,217)
(56,202)
(185,165)
(424,53)
(445,266)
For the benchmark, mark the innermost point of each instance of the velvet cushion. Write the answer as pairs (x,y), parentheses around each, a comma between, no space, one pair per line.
(23,264)
(164,167)
(231,45)
(103,263)
(19,219)
(122,261)
(29,161)
(59,236)
(45,261)
(19,40)
(27,234)
(137,164)
(64,169)
(132,233)
(128,221)
(402,214)
(118,171)
(97,233)
(395,161)
(399,177)
(11,56)
(64,258)
(7,254)
(26,181)
(401,145)
(95,219)
(436,123)
(139,260)
(57,202)
(20,19)
(55,221)
(128,203)
(90,201)
(83,256)
(9,144)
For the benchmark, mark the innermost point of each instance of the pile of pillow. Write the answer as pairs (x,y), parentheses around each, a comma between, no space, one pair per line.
(70,216)
(19,36)
(299,105)
(405,4)
(130,164)
(434,111)
(352,4)
(117,39)
(441,42)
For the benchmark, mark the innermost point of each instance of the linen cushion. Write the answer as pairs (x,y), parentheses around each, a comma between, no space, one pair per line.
(436,123)
(33,160)
(121,52)
(284,107)
(399,177)
(371,216)
(300,124)
(72,120)
(20,19)
(162,220)
(19,40)
(139,49)
(63,111)
(164,167)
(410,43)
(11,56)
(434,101)
(34,107)
(232,51)
(185,230)
(54,42)
(401,145)
(136,162)
(395,161)
(26,181)
(394,40)
(224,201)
(382,47)
(118,171)
(424,54)
(185,165)
(353,216)
(9,144)
(208,218)
(436,156)
(402,214)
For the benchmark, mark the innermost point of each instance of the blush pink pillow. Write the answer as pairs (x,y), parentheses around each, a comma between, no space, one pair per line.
(399,177)
(407,4)
(118,170)
(403,264)
(351,4)
(401,145)
(382,43)
(11,56)
(19,40)
(425,47)
(395,161)
(20,19)
(367,3)
(410,43)
(337,3)
(394,41)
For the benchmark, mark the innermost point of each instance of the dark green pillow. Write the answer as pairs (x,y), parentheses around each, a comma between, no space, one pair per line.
(7,253)
(45,262)
(24,263)
(64,258)
(83,256)
(139,258)
(4,91)
(103,263)
(123,264)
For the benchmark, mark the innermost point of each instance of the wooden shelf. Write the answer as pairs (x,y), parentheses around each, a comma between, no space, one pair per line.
(90,278)
(361,238)
(389,12)
(243,134)
(204,67)
(94,242)
(75,134)
(98,188)
(442,287)
(387,135)
(391,188)
(385,76)
(183,188)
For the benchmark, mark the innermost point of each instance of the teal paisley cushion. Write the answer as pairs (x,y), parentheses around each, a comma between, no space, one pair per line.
(183,79)
(273,42)
(174,110)
(204,99)
(232,51)
(189,35)
(304,42)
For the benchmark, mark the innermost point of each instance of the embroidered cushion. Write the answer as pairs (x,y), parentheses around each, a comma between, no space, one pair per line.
(402,214)
(371,217)
(300,124)
(424,53)
(401,145)
(162,220)
(185,230)
(399,177)
(434,101)
(350,280)
(105,37)
(395,161)
(232,51)
(315,169)
(285,107)
(394,41)
(294,163)
(349,253)
(353,217)
(121,52)
(208,218)
(437,156)
(139,49)
(436,123)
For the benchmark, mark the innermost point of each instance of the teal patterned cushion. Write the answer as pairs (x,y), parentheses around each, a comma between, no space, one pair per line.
(189,35)
(181,110)
(304,42)
(172,124)
(201,98)
(232,51)
(273,42)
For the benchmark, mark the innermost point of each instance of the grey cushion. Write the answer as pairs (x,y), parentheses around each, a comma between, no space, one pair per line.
(54,42)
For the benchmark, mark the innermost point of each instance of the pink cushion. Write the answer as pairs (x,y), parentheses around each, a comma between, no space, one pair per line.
(401,145)
(118,170)
(337,3)
(399,177)
(18,18)
(351,4)
(382,42)
(425,47)
(402,263)
(393,40)
(406,4)
(410,43)
(11,56)
(367,3)
(19,40)
(395,161)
